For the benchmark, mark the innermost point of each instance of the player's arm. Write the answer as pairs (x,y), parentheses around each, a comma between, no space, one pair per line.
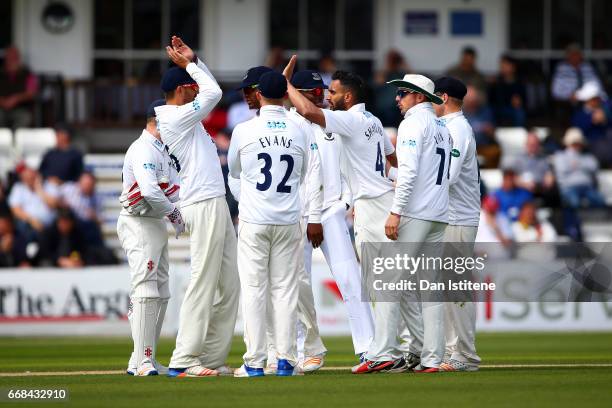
(234,186)
(304,107)
(390,151)
(207,98)
(233,154)
(145,174)
(345,187)
(314,193)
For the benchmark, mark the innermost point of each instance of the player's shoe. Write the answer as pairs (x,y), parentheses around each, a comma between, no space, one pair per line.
(246,371)
(369,366)
(195,371)
(161,369)
(313,363)
(412,360)
(145,369)
(362,357)
(270,369)
(225,370)
(284,369)
(399,366)
(456,365)
(421,369)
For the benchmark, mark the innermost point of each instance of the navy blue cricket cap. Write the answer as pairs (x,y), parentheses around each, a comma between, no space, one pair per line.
(307,79)
(272,85)
(175,77)
(450,86)
(152,106)
(251,78)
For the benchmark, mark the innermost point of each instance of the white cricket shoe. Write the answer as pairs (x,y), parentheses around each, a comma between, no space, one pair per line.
(313,363)
(456,365)
(194,371)
(246,371)
(161,369)
(225,370)
(146,368)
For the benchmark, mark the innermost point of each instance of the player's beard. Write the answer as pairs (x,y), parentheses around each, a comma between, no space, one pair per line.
(339,105)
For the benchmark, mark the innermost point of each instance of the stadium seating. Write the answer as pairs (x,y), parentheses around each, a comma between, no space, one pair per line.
(32,143)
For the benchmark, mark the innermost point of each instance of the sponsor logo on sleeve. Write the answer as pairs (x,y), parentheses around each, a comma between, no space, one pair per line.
(455,153)
(149,166)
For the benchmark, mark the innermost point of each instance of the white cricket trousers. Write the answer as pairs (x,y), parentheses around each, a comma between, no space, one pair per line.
(206,321)
(460,318)
(145,241)
(268,266)
(340,257)
(425,317)
(370,218)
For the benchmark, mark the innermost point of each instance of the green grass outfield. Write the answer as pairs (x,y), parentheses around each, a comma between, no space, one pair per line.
(554,383)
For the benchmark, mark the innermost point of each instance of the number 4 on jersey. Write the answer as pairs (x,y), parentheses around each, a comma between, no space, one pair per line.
(380,165)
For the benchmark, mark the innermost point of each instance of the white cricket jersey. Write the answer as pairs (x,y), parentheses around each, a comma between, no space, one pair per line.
(147,163)
(311,196)
(182,131)
(269,154)
(335,182)
(423,155)
(464,190)
(366,146)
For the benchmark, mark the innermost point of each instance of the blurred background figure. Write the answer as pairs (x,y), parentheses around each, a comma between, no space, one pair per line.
(507,95)
(86,205)
(18,89)
(326,67)
(385,107)
(467,71)
(510,196)
(529,228)
(534,172)
(62,243)
(64,162)
(594,118)
(480,117)
(12,245)
(33,203)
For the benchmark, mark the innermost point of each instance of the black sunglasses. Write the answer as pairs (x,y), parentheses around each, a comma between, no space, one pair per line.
(403,92)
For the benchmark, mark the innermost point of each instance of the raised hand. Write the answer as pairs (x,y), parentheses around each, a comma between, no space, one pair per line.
(182,48)
(179,59)
(288,71)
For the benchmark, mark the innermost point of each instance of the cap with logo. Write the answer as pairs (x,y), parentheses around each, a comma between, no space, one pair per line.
(251,78)
(307,79)
(450,86)
(175,77)
(272,85)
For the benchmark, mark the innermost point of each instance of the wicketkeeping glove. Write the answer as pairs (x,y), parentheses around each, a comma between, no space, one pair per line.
(170,190)
(132,200)
(176,219)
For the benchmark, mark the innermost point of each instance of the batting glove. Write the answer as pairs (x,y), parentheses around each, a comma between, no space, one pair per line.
(176,219)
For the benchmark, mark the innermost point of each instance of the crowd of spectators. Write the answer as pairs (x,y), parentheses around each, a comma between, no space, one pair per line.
(50,216)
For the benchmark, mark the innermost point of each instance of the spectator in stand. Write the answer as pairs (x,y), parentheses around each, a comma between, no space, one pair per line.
(480,118)
(576,172)
(81,198)
(571,74)
(32,203)
(276,59)
(528,228)
(510,196)
(493,226)
(467,71)
(384,99)
(12,245)
(62,243)
(18,89)
(507,95)
(535,173)
(64,162)
(594,118)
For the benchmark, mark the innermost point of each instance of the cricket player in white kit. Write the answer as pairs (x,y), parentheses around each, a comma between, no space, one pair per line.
(419,214)
(269,154)
(207,319)
(464,214)
(150,189)
(337,246)
(366,145)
